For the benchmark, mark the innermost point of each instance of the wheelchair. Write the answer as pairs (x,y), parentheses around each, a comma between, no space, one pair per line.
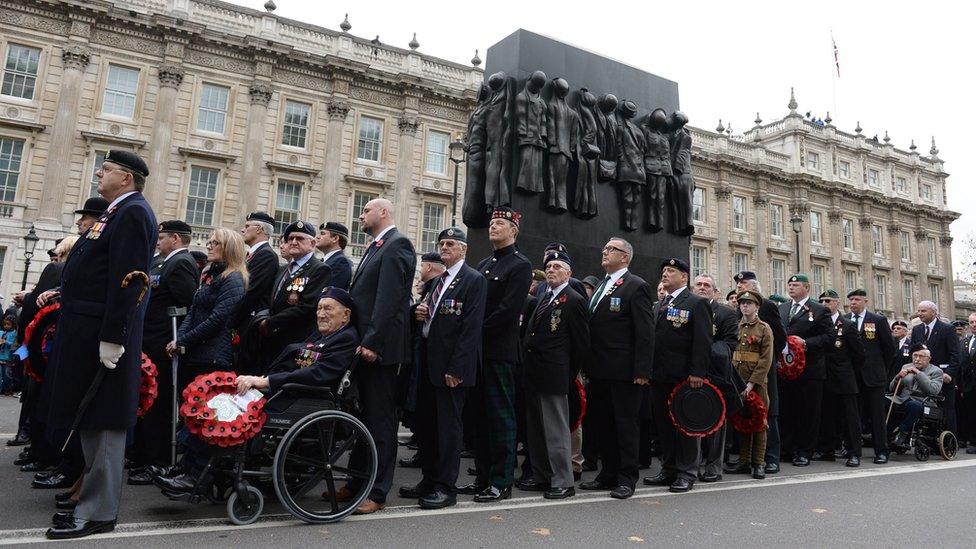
(303,448)
(930,434)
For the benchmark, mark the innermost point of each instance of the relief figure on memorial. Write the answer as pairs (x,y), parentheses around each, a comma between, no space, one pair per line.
(657,167)
(630,164)
(531,125)
(681,186)
(563,134)
(475,209)
(588,157)
(606,120)
(498,130)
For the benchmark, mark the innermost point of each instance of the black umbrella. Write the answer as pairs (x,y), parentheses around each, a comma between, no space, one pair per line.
(97,382)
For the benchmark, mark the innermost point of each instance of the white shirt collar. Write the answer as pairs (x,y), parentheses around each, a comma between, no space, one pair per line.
(931,325)
(677,292)
(302,260)
(833,317)
(558,289)
(119,199)
(802,302)
(614,277)
(383,233)
(254,247)
(330,254)
(453,270)
(174,252)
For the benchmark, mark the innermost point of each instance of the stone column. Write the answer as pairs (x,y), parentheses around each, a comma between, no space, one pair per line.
(867,256)
(338,111)
(403,188)
(161,145)
(948,304)
(836,235)
(722,194)
(64,129)
(762,238)
(894,236)
(260,94)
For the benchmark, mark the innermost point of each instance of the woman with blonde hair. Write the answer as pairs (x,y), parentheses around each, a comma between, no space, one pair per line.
(204,337)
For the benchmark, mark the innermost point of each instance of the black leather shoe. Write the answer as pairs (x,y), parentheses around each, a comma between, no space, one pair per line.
(758,472)
(594,485)
(411,462)
(437,500)
(881,459)
(709,477)
(34,467)
(681,485)
(800,461)
(41,475)
(621,492)
(164,470)
(21,461)
(772,468)
(20,440)
(414,492)
(738,468)
(80,528)
(472,489)
(824,456)
(558,493)
(179,483)
(63,496)
(853,461)
(660,479)
(140,478)
(66,505)
(57,480)
(531,485)
(62,518)
(492,493)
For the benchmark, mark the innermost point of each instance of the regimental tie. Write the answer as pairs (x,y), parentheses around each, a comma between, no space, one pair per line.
(598,294)
(434,297)
(665,304)
(543,307)
(794,309)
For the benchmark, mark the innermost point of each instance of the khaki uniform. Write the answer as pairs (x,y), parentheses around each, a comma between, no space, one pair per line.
(752,360)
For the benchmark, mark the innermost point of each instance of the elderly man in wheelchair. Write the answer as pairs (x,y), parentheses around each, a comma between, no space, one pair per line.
(306,440)
(915,391)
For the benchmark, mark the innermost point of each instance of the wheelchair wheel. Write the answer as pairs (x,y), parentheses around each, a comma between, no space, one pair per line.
(922,451)
(948,445)
(245,508)
(314,456)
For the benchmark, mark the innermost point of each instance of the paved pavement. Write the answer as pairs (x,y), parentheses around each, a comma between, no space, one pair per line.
(904,502)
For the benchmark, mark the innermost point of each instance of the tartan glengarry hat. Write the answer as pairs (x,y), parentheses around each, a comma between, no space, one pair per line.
(861,292)
(299,226)
(562,257)
(749,295)
(95,206)
(263,217)
(128,160)
(554,247)
(676,263)
(799,277)
(453,233)
(175,226)
(508,214)
(431,257)
(335,227)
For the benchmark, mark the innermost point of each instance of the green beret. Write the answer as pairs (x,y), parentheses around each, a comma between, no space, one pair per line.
(776,298)
(799,277)
(858,292)
(830,294)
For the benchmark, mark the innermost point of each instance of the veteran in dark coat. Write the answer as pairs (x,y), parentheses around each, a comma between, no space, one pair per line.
(173,281)
(840,413)
(451,322)
(295,294)
(683,336)
(101,327)
(331,241)
(262,269)
(941,340)
(802,398)
(872,372)
(508,274)
(621,352)
(556,349)
(381,288)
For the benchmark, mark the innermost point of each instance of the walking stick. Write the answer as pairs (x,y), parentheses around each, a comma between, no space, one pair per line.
(174,313)
(100,374)
(887,417)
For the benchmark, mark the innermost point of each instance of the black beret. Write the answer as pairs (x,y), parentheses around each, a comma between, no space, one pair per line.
(558,256)
(591,281)
(744,275)
(918,347)
(95,205)
(901,323)
(300,226)
(175,226)
(335,227)
(555,247)
(264,217)
(733,293)
(128,160)
(432,257)
(508,214)
(453,233)
(676,263)
(858,292)
(343,297)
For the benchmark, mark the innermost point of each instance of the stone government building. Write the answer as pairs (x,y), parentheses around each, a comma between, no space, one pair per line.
(237,109)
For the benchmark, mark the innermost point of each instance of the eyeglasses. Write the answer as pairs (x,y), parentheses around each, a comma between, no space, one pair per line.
(608,248)
(214,243)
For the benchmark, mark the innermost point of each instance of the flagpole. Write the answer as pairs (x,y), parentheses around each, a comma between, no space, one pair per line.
(835,74)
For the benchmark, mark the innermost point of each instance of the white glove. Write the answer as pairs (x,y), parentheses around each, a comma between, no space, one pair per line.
(109,353)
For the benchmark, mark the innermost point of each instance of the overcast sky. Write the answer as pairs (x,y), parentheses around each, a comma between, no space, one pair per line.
(906,67)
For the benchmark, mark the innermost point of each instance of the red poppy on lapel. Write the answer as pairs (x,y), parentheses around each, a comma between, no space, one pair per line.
(562,299)
(379,243)
(619,282)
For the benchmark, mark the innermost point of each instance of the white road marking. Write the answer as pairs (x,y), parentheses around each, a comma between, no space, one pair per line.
(175,527)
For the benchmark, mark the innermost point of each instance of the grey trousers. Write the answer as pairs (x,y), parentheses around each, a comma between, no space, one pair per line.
(547,432)
(101,488)
(713,449)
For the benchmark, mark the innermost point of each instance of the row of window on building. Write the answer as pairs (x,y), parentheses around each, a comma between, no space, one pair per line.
(740,222)
(778,275)
(899,183)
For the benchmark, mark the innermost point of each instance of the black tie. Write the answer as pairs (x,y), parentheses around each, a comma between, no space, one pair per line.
(926,333)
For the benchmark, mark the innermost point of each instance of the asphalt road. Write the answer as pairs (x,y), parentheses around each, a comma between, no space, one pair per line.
(903,503)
